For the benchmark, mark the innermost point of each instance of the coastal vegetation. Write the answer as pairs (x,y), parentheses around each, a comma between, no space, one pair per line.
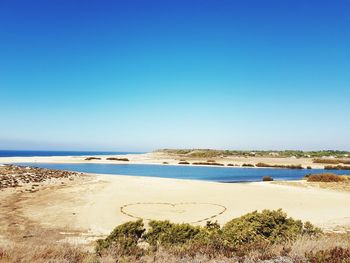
(210,153)
(331,161)
(269,236)
(184,162)
(328,177)
(254,233)
(279,166)
(267,178)
(16,176)
(337,167)
(92,158)
(232,164)
(208,163)
(117,159)
(248,165)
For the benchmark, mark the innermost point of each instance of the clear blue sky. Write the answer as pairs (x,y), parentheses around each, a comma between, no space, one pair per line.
(141,75)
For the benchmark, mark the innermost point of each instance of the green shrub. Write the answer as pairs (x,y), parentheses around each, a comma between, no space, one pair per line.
(209,241)
(184,162)
(254,231)
(123,239)
(272,226)
(168,234)
(247,165)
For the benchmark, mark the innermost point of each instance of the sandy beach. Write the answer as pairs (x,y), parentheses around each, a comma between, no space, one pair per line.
(85,209)
(161,158)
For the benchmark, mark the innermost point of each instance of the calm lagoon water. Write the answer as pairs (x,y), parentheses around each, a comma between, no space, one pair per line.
(218,174)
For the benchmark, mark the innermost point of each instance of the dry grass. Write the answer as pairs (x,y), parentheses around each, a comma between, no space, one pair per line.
(331,161)
(325,178)
(342,186)
(24,253)
(64,253)
(306,244)
(337,167)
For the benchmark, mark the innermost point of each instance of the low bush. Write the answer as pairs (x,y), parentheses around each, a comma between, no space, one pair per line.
(254,231)
(325,178)
(204,163)
(165,163)
(309,167)
(337,167)
(267,178)
(266,226)
(167,234)
(247,165)
(331,161)
(291,166)
(184,162)
(117,159)
(92,158)
(123,239)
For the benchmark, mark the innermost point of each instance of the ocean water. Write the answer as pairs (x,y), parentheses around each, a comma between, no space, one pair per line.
(16,153)
(218,174)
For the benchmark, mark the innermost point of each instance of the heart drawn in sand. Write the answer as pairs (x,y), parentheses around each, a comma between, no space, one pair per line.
(190,212)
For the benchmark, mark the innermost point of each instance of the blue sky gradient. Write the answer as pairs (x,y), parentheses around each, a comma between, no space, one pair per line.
(141,75)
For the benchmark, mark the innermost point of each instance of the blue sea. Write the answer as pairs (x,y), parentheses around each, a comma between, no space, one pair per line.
(217,174)
(28,153)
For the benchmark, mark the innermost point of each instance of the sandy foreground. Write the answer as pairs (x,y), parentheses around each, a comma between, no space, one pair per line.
(160,158)
(82,210)
(90,207)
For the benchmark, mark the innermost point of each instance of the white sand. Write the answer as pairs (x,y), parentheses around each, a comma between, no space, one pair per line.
(94,206)
(159,158)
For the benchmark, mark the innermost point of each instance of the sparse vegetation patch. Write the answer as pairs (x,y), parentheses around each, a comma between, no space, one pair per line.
(325,178)
(331,161)
(279,166)
(256,231)
(337,167)
(92,158)
(267,178)
(207,163)
(117,159)
(248,165)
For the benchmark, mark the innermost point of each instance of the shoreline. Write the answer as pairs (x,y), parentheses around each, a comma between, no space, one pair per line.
(160,159)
